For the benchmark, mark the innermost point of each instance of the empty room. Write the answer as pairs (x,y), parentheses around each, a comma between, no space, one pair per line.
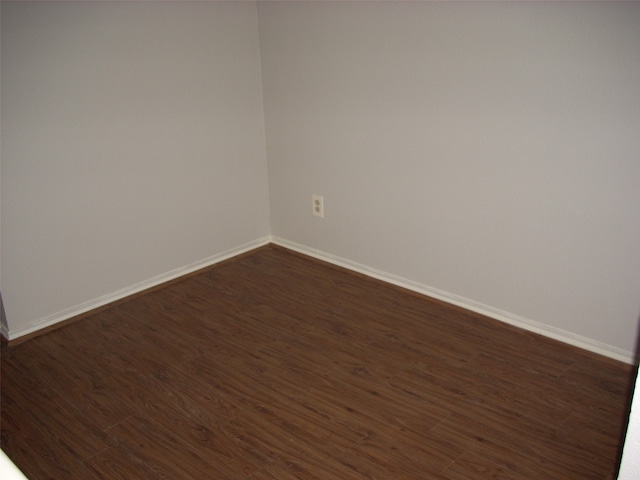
(259,240)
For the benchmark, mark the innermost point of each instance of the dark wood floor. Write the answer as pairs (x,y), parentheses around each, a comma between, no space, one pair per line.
(273,366)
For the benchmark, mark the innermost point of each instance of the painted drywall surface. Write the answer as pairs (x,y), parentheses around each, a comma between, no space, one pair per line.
(630,464)
(132,144)
(490,150)
(4,328)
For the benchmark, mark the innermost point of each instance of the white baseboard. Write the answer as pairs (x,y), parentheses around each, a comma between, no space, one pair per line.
(51,320)
(497,314)
(510,318)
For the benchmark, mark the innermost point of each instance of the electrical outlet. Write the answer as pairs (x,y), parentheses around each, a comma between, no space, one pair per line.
(318,205)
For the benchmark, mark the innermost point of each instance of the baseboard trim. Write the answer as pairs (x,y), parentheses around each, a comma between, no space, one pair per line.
(54,320)
(477,307)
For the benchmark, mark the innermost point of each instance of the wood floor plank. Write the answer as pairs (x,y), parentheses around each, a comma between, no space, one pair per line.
(523,446)
(274,365)
(54,414)
(272,407)
(37,450)
(117,463)
(162,451)
(198,417)
(471,465)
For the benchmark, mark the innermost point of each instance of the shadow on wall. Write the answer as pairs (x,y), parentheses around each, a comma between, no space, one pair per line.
(636,348)
(4,328)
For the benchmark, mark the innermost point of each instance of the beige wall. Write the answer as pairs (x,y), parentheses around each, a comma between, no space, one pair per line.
(132,145)
(490,151)
(486,151)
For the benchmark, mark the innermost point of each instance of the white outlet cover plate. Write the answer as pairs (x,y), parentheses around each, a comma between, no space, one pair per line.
(318,205)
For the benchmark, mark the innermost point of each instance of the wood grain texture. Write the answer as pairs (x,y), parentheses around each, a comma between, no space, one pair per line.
(273,365)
